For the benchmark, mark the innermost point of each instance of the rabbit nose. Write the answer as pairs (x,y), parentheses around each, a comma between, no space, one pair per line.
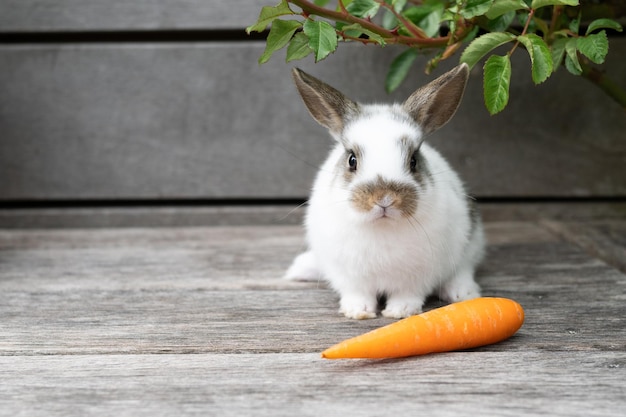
(386,201)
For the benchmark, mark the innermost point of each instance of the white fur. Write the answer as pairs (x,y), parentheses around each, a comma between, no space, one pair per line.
(363,255)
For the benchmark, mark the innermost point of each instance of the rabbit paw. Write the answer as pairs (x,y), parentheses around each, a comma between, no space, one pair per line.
(399,308)
(358,307)
(462,287)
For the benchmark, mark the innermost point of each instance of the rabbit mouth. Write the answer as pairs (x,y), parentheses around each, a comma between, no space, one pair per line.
(381,212)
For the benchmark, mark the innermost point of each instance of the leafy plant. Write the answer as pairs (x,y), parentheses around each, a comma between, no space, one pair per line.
(549,30)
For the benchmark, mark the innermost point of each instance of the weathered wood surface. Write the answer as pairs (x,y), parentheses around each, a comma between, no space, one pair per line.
(457,384)
(604,239)
(196,321)
(203,120)
(268,215)
(152,216)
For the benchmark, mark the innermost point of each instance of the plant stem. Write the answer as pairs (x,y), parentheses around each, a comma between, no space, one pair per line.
(531,13)
(600,80)
(410,26)
(342,7)
(390,37)
(554,22)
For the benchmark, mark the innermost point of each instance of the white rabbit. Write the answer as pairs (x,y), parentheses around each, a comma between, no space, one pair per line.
(388,218)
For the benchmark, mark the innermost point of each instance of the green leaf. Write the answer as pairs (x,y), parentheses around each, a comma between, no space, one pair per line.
(360,30)
(363,8)
(298,47)
(475,8)
(340,27)
(573,66)
(321,3)
(484,44)
(540,56)
(558,52)
(542,3)
(432,22)
(452,24)
(595,47)
(603,24)
(399,69)
(501,23)
(280,34)
(322,38)
(427,17)
(267,16)
(500,7)
(574,24)
(471,35)
(562,33)
(449,15)
(389,19)
(571,57)
(432,63)
(540,24)
(497,78)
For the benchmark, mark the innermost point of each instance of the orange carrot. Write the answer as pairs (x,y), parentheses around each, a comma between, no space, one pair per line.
(463,325)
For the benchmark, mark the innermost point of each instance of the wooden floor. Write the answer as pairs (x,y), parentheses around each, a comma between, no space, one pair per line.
(182,321)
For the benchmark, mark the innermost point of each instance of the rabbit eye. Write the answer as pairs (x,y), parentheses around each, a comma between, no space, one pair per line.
(413,163)
(352,162)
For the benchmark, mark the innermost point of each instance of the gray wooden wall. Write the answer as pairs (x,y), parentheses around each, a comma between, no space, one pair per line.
(158,99)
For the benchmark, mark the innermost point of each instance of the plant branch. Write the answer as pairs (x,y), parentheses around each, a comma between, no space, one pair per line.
(607,85)
(390,37)
(531,13)
(410,26)
(340,16)
(556,13)
(342,7)
(364,41)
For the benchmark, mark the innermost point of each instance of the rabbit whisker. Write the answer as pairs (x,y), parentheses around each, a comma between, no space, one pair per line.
(299,206)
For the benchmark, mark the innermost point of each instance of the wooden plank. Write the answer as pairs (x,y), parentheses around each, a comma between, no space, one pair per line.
(277,321)
(269,215)
(202,258)
(486,383)
(605,239)
(218,290)
(571,211)
(155,216)
(103,15)
(203,120)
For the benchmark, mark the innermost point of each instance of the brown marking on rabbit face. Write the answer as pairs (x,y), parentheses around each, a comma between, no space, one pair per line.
(385,194)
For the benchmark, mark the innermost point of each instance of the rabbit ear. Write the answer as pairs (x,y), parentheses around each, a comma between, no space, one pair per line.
(328,106)
(435,103)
